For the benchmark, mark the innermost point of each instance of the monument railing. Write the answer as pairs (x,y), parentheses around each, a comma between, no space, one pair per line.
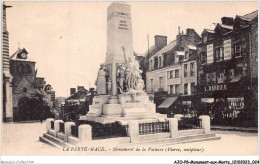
(62,127)
(189,123)
(74,131)
(153,128)
(109,130)
(52,124)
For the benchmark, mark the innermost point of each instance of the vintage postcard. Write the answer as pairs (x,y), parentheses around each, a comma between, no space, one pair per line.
(129,78)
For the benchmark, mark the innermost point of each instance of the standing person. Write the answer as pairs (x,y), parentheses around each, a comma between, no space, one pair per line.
(101,81)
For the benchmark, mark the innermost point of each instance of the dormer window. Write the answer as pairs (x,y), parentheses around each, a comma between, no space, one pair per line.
(205,38)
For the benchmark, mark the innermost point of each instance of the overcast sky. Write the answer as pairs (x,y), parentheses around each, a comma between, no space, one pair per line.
(68,39)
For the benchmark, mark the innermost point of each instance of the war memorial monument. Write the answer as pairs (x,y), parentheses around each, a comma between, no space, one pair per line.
(121,106)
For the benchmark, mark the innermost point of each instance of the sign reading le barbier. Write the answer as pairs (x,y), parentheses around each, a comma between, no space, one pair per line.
(219,87)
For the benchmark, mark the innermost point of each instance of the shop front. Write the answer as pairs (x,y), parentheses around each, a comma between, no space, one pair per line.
(223,102)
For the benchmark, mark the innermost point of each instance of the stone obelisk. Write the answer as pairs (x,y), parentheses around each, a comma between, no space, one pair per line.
(119,34)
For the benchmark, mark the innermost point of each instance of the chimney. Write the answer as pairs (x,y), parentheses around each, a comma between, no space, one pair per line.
(160,41)
(72,91)
(80,87)
(227,20)
(179,30)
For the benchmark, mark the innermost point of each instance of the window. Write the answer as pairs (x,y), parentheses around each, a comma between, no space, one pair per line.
(185,89)
(24,90)
(220,77)
(219,54)
(238,50)
(192,88)
(185,70)
(170,89)
(205,38)
(151,85)
(176,73)
(186,55)
(22,69)
(231,74)
(155,63)
(211,78)
(160,61)
(192,73)
(28,69)
(160,82)
(203,57)
(170,74)
(177,89)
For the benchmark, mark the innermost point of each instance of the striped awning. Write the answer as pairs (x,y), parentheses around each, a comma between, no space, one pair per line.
(167,102)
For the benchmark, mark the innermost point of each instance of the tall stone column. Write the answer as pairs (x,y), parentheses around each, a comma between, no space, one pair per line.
(7,78)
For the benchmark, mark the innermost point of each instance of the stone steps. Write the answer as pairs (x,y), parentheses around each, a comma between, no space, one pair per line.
(180,139)
(55,140)
(49,142)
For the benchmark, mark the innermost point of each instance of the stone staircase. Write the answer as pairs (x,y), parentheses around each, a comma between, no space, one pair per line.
(159,139)
(53,141)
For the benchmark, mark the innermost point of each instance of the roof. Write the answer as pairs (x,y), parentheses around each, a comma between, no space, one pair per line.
(226,26)
(250,16)
(167,102)
(180,53)
(80,94)
(192,47)
(167,48)
(19,51)
(152,50)
(208,31)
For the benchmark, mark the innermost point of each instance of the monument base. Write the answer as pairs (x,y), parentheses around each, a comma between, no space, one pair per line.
(130,106)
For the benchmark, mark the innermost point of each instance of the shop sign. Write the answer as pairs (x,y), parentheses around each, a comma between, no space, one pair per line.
(227,49)
(210,53)
(219,87)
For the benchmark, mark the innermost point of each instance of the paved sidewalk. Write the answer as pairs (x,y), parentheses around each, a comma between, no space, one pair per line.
(231,128)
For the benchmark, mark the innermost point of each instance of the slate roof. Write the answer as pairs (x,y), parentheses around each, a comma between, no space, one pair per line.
(167,48)
(15,55)
(250,16)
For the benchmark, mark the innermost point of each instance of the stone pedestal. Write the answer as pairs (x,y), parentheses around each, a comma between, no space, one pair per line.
(112,109)
(178,116)
(205,123)
(85,134)
(133,130)
(57,126)
(67,126)
(173,126)
(48,124)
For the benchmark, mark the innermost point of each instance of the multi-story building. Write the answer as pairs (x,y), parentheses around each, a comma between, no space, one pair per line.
(160,42)
(227,67)
(166,71)
(25,78)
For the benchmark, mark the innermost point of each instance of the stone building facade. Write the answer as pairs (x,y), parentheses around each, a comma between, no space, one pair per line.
(227,67)
(165,77)
(25,78)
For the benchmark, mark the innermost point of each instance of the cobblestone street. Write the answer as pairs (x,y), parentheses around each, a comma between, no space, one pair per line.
(23,139)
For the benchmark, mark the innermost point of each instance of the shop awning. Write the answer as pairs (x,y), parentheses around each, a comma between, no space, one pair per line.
(207,100)
(167,102)
(237,78)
